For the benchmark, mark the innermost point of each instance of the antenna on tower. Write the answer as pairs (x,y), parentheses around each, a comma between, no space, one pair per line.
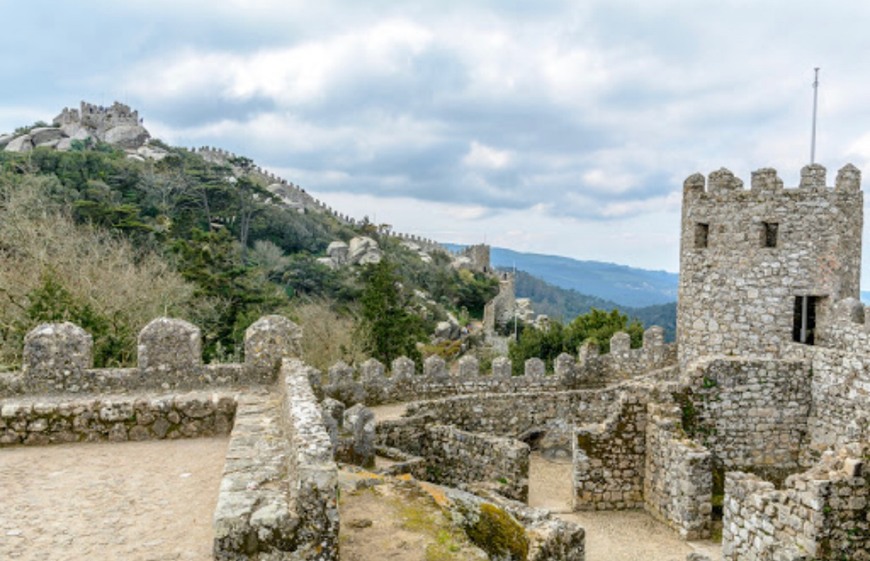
(815,111)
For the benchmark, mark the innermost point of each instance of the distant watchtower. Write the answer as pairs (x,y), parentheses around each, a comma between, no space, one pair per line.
(758,268)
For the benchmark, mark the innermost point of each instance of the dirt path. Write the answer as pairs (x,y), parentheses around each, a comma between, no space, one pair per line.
(610,535)
(389,412)
(134,501)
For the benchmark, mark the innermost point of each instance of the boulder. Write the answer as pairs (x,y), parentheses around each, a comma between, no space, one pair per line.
(21,143)
(5,139)
(337,251)
(151,153)
(43,135)
(462,262)
(126,136)
(328,261)
(371,257)
(358,247)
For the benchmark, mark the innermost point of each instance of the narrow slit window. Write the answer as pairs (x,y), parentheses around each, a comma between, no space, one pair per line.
(770,234)
(702,235)
(804,319)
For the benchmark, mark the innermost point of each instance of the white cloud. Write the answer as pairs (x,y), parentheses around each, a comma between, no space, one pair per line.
(486,157)
(288,74)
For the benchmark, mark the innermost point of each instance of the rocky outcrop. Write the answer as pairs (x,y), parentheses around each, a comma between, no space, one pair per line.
(117,125)
(361,250)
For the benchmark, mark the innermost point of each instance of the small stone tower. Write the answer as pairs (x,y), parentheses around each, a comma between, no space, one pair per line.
(759,267)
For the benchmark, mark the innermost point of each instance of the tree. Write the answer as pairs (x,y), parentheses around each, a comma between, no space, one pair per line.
(387,327)
(597,325)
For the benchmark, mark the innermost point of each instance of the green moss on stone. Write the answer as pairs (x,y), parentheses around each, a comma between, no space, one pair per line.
(497,533)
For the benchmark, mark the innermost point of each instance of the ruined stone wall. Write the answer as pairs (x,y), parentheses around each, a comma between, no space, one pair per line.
(840,412)
(745,255)
(820,514)
(751,413)
(678,475)
(609,459)
(315,473)
(279,493)
(456,457)
(372,384)
(58,359)
(515,414)
(117,418)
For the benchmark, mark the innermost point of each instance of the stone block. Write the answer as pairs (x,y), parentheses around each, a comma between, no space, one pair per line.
(56,356)
(435,368)
(501,367)
(469,367)
(268,341)
(535,368)
(170,347)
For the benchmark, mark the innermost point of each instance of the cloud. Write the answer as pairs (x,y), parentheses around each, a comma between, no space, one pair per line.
(505,116)
(486,157)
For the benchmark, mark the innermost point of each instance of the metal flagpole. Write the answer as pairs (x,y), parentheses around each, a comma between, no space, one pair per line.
(815,110)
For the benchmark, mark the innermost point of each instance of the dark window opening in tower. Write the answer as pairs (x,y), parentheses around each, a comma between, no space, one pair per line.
(702,235)
(770,234)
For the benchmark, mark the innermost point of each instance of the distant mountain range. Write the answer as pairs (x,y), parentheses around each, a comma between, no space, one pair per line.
(627,286)
(564,288)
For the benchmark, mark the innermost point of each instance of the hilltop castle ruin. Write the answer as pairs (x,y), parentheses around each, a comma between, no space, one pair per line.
(757,419)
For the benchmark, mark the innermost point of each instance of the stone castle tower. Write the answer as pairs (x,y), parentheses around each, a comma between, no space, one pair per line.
(759,267)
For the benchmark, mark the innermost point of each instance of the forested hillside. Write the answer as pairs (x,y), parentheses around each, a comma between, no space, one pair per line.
(566,304)
(108,241)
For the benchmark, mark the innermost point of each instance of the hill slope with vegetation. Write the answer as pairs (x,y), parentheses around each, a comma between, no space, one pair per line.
(109,241)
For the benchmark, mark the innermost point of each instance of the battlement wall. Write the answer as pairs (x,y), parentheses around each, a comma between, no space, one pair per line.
(295,197)
(58,359)
(372,384)
(746,256)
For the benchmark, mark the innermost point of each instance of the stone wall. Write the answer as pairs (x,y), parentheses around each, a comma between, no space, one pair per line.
(821,514)
(518,413)
(678,476)
(455,457)
(279,493)
(372,384)
(58,359)
(750,413)
(840,412)
(609,458)
(745,255)
(314,472)
(115,418)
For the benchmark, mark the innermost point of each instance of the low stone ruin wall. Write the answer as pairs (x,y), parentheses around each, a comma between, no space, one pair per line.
(311,462)
(58,359)
(751,414)
(279,493)
(821,514)
(455,457)
(840,412)
(115,418)
(609,458)
(518,413)
(678,477)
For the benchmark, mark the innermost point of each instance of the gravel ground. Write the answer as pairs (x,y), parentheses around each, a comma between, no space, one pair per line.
(133,501)
(610,536)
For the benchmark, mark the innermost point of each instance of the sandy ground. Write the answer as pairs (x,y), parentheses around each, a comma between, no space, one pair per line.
(389,412)
(610,536)
(142,501)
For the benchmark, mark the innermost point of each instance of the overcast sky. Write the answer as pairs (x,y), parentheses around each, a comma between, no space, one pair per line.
(546,126)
